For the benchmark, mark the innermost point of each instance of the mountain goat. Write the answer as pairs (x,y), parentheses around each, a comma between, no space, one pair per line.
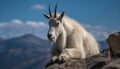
(69,38)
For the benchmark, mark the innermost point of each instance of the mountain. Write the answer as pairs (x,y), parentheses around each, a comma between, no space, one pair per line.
(25,52)
(28,40)
(1,40)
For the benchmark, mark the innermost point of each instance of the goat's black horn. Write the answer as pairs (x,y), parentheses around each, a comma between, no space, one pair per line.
(55,13)
(50,12)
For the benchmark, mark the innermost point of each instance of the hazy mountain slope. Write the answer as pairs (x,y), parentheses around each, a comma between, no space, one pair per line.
(27,51)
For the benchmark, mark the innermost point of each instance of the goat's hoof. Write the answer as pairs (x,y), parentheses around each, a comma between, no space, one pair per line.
(53,59)
(62,58)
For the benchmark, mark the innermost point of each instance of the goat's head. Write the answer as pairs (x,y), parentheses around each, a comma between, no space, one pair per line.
(55,24)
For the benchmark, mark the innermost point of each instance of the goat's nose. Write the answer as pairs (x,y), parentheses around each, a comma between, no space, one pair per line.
(49,35)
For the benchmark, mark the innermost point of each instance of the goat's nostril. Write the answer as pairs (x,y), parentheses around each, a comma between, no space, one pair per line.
(49,35)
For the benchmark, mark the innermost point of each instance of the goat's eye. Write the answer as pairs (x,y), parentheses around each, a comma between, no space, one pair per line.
(57,23)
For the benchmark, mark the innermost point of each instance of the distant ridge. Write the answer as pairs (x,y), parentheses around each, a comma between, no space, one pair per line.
(2,40)
(24,49)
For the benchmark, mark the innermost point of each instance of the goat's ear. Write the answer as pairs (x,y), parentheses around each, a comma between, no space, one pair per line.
(61,16)
(46,16)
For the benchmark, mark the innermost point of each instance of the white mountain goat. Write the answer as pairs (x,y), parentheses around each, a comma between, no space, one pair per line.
(69,38)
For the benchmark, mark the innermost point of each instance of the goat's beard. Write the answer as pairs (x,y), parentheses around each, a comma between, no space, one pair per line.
(53,40)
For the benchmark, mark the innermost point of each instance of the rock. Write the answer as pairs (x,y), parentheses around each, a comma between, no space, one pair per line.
(100,61)
(113,65)
(69,64)
(97,61)
(114,43)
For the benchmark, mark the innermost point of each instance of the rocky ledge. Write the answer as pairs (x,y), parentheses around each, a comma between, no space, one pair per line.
(107,59)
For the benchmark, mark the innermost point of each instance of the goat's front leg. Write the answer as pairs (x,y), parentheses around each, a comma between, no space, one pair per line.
(54,57)
(54,53)
(71,53)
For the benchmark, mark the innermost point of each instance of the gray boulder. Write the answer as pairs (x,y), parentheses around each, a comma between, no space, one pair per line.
(114,43)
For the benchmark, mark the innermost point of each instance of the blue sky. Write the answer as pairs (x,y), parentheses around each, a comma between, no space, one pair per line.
(19,17)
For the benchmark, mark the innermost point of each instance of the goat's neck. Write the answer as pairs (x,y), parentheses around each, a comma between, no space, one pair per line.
(61,41)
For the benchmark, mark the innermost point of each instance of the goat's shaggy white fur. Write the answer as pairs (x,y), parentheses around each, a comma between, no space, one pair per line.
(73,42)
